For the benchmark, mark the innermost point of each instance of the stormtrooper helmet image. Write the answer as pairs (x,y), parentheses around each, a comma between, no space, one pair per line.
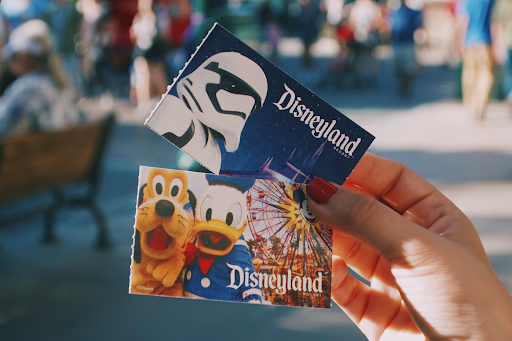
(223,92)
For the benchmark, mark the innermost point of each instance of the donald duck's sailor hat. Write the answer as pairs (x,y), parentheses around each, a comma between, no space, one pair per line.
(240,184)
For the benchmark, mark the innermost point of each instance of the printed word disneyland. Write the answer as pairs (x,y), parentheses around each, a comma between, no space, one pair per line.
(281,283)
(320,128)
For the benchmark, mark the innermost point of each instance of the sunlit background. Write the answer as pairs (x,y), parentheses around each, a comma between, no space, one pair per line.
(117,58)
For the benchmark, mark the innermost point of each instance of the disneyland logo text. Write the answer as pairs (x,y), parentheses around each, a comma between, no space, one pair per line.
(320,128)
(280,283)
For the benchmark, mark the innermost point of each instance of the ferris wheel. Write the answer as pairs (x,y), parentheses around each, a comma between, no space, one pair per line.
(285,231)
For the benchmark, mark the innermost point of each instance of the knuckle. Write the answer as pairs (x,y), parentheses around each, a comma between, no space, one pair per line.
(351,291)
(353,251)
(361,209)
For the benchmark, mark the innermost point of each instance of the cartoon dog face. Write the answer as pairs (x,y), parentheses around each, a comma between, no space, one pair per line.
(161,218)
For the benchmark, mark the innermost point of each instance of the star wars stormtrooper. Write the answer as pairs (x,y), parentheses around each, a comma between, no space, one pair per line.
(214,102)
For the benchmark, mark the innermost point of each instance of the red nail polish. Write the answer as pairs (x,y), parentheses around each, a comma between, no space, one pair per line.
(321,190)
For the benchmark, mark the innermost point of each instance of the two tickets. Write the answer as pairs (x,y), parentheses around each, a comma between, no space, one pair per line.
(244,233)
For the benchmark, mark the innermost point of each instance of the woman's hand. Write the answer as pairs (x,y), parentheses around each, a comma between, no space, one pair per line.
(430,277)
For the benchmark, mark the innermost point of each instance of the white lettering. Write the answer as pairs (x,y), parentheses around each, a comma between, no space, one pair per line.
(289,284)
(271,281)
(317,283)
(295,104)
(351,146)
(254,280)
(343,138)
(333,136)
(319,127)
(299,112)
(281,284)
(296,283)
(314,120)
(306,280)
(311,113)
(234,270)
(263,284)
(283,98)
(246,277)
(330,128)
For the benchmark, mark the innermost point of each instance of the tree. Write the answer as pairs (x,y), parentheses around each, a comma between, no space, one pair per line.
(276,243)
(250,244)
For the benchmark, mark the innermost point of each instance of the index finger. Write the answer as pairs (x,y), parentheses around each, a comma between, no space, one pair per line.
(399,186)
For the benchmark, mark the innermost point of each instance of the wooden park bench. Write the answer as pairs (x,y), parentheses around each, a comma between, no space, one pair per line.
(40,162)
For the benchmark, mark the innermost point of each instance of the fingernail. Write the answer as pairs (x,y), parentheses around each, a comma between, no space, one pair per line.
(321,190)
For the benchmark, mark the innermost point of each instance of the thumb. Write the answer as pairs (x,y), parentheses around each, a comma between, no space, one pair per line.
(364,218)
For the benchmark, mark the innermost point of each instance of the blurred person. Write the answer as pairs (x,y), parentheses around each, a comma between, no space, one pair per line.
(404,22)
(502,42)
(148,57)
(179,13)
(334,9)
(36,101)
(64,21)
(13,13)
(269,20)
(473,42)
(365,19)
(16,12)
(308,28)
(430,277)
(96,40)
(341,66)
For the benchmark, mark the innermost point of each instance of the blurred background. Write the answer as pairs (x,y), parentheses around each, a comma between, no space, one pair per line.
(430,79)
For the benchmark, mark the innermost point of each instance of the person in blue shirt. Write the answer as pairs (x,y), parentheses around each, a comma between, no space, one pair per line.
(218,264)
(404,22)
(473,40)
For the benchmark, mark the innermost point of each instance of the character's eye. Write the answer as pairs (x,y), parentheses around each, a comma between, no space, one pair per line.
(233,85)
(206,209)
(176,186)
(158,184)
(307,211)
(234,215)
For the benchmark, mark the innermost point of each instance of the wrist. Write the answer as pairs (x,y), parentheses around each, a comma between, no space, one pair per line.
(498,316)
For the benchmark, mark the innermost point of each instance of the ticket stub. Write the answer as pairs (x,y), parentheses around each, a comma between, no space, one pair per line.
(238,114)
(215,237)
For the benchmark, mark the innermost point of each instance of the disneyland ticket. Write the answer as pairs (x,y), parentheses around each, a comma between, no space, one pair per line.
(238,114)
(215,237)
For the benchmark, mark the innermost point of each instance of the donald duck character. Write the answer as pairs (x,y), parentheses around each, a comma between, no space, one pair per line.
(220,221)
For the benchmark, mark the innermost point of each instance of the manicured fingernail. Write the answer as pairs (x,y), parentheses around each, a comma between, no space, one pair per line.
(321,190)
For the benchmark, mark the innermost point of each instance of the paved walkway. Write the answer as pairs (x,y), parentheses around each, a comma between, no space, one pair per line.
(70,292)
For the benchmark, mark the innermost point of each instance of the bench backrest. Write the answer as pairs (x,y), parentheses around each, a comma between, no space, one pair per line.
(45,161)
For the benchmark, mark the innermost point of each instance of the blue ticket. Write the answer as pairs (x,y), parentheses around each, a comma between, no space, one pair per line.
(238,114)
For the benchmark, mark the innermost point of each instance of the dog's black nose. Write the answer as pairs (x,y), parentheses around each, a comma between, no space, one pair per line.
(164,208)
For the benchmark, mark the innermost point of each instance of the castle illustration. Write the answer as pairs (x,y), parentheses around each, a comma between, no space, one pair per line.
(291,170)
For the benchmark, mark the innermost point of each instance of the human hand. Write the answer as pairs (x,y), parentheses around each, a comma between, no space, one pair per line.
(499,54)
(430,277)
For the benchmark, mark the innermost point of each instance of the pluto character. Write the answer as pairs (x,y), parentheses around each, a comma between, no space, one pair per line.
(163,227)
(214,102)
(305,211)
(221,218)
